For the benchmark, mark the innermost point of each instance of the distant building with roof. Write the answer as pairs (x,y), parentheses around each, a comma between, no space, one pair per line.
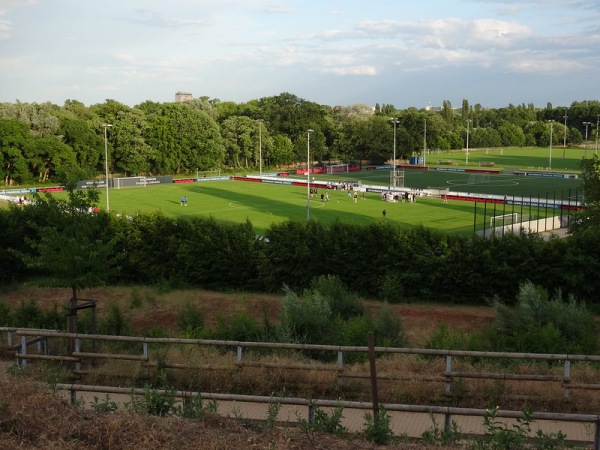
(183,97)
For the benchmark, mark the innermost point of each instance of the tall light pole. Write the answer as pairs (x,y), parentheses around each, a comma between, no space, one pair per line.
(550,158)
(565,137)
(424,139)
(395,122)
(597,127)
(308,174)
(467,159)
(106,125)
(260,121)
(586,138)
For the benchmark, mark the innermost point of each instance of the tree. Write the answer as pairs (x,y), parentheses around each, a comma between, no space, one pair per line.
(131,155)
(242,138)
(511,135)
(185,138)
(282,151)
(14,136)
(40,119)
(87,144)
(46,156)
(589,217)
(72,247)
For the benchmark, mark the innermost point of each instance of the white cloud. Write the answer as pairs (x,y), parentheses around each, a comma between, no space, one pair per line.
(5,29)
(351,70)
(546,65)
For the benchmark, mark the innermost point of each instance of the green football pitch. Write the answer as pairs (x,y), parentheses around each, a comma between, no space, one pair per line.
(264,203)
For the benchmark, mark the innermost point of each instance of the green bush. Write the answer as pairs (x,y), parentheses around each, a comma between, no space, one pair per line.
(354,331)
(115,323)
(6,318)
(446,339)
(190,320)
(390,331)
(308,320)
(240,327)
(377,427)
(28,315)
(539,324)
(344,303)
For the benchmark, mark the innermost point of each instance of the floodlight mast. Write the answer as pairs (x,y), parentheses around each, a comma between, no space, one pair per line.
(550,155)
(597,127)
(586,124)
(565,136)
(395,121)
(308,174)
(106,126)
(467,157)
(260,121)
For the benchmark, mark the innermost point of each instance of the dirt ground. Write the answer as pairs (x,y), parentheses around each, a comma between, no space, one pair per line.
(146,308)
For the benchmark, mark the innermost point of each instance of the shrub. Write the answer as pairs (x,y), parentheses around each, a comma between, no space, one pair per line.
(446,339)
(390,331)
(543,325)
(308,320)
(115,323)
(344,303)
(377,427)
(28,315)
(5,315)
(240,327)
(190,320)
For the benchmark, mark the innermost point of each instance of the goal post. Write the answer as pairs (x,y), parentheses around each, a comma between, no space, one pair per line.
(337,168)
(479,178)
(208,173)
(124,182)
(507,219)
(397,178)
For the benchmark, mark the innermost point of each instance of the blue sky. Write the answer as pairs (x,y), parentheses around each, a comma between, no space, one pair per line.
(335,52)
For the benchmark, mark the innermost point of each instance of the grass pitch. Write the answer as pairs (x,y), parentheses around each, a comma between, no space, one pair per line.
(264,204)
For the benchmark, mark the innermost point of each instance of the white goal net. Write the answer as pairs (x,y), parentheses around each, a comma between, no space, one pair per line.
(479,178)
(120,183)
(508,219)
(337,168)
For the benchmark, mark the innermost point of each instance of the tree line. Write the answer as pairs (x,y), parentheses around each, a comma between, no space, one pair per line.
(67,247)
(39,142)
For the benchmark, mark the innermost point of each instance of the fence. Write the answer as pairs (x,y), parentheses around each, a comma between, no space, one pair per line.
(36,344)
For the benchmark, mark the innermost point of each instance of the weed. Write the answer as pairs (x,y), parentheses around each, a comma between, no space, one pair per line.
(194,408)
(272,413)
(377,427)
(499,436)
(439,437)
(104,405)
(135,299)
(320,421)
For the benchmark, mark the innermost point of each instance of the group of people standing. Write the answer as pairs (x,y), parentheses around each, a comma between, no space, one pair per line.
(398,196)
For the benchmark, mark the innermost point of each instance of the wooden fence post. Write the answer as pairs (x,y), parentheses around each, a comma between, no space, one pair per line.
(340,367)
(23,351)
(374,392)
(567,379)
(448,374)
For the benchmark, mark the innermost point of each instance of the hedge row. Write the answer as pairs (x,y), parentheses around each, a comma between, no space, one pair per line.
(379,260)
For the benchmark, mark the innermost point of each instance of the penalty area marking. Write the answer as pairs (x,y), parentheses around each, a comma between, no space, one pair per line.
(487,183)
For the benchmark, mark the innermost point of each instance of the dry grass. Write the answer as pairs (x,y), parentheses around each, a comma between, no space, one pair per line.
(32,417)
(55,424)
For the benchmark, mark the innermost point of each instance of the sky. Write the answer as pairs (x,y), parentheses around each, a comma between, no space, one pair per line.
(406,53)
